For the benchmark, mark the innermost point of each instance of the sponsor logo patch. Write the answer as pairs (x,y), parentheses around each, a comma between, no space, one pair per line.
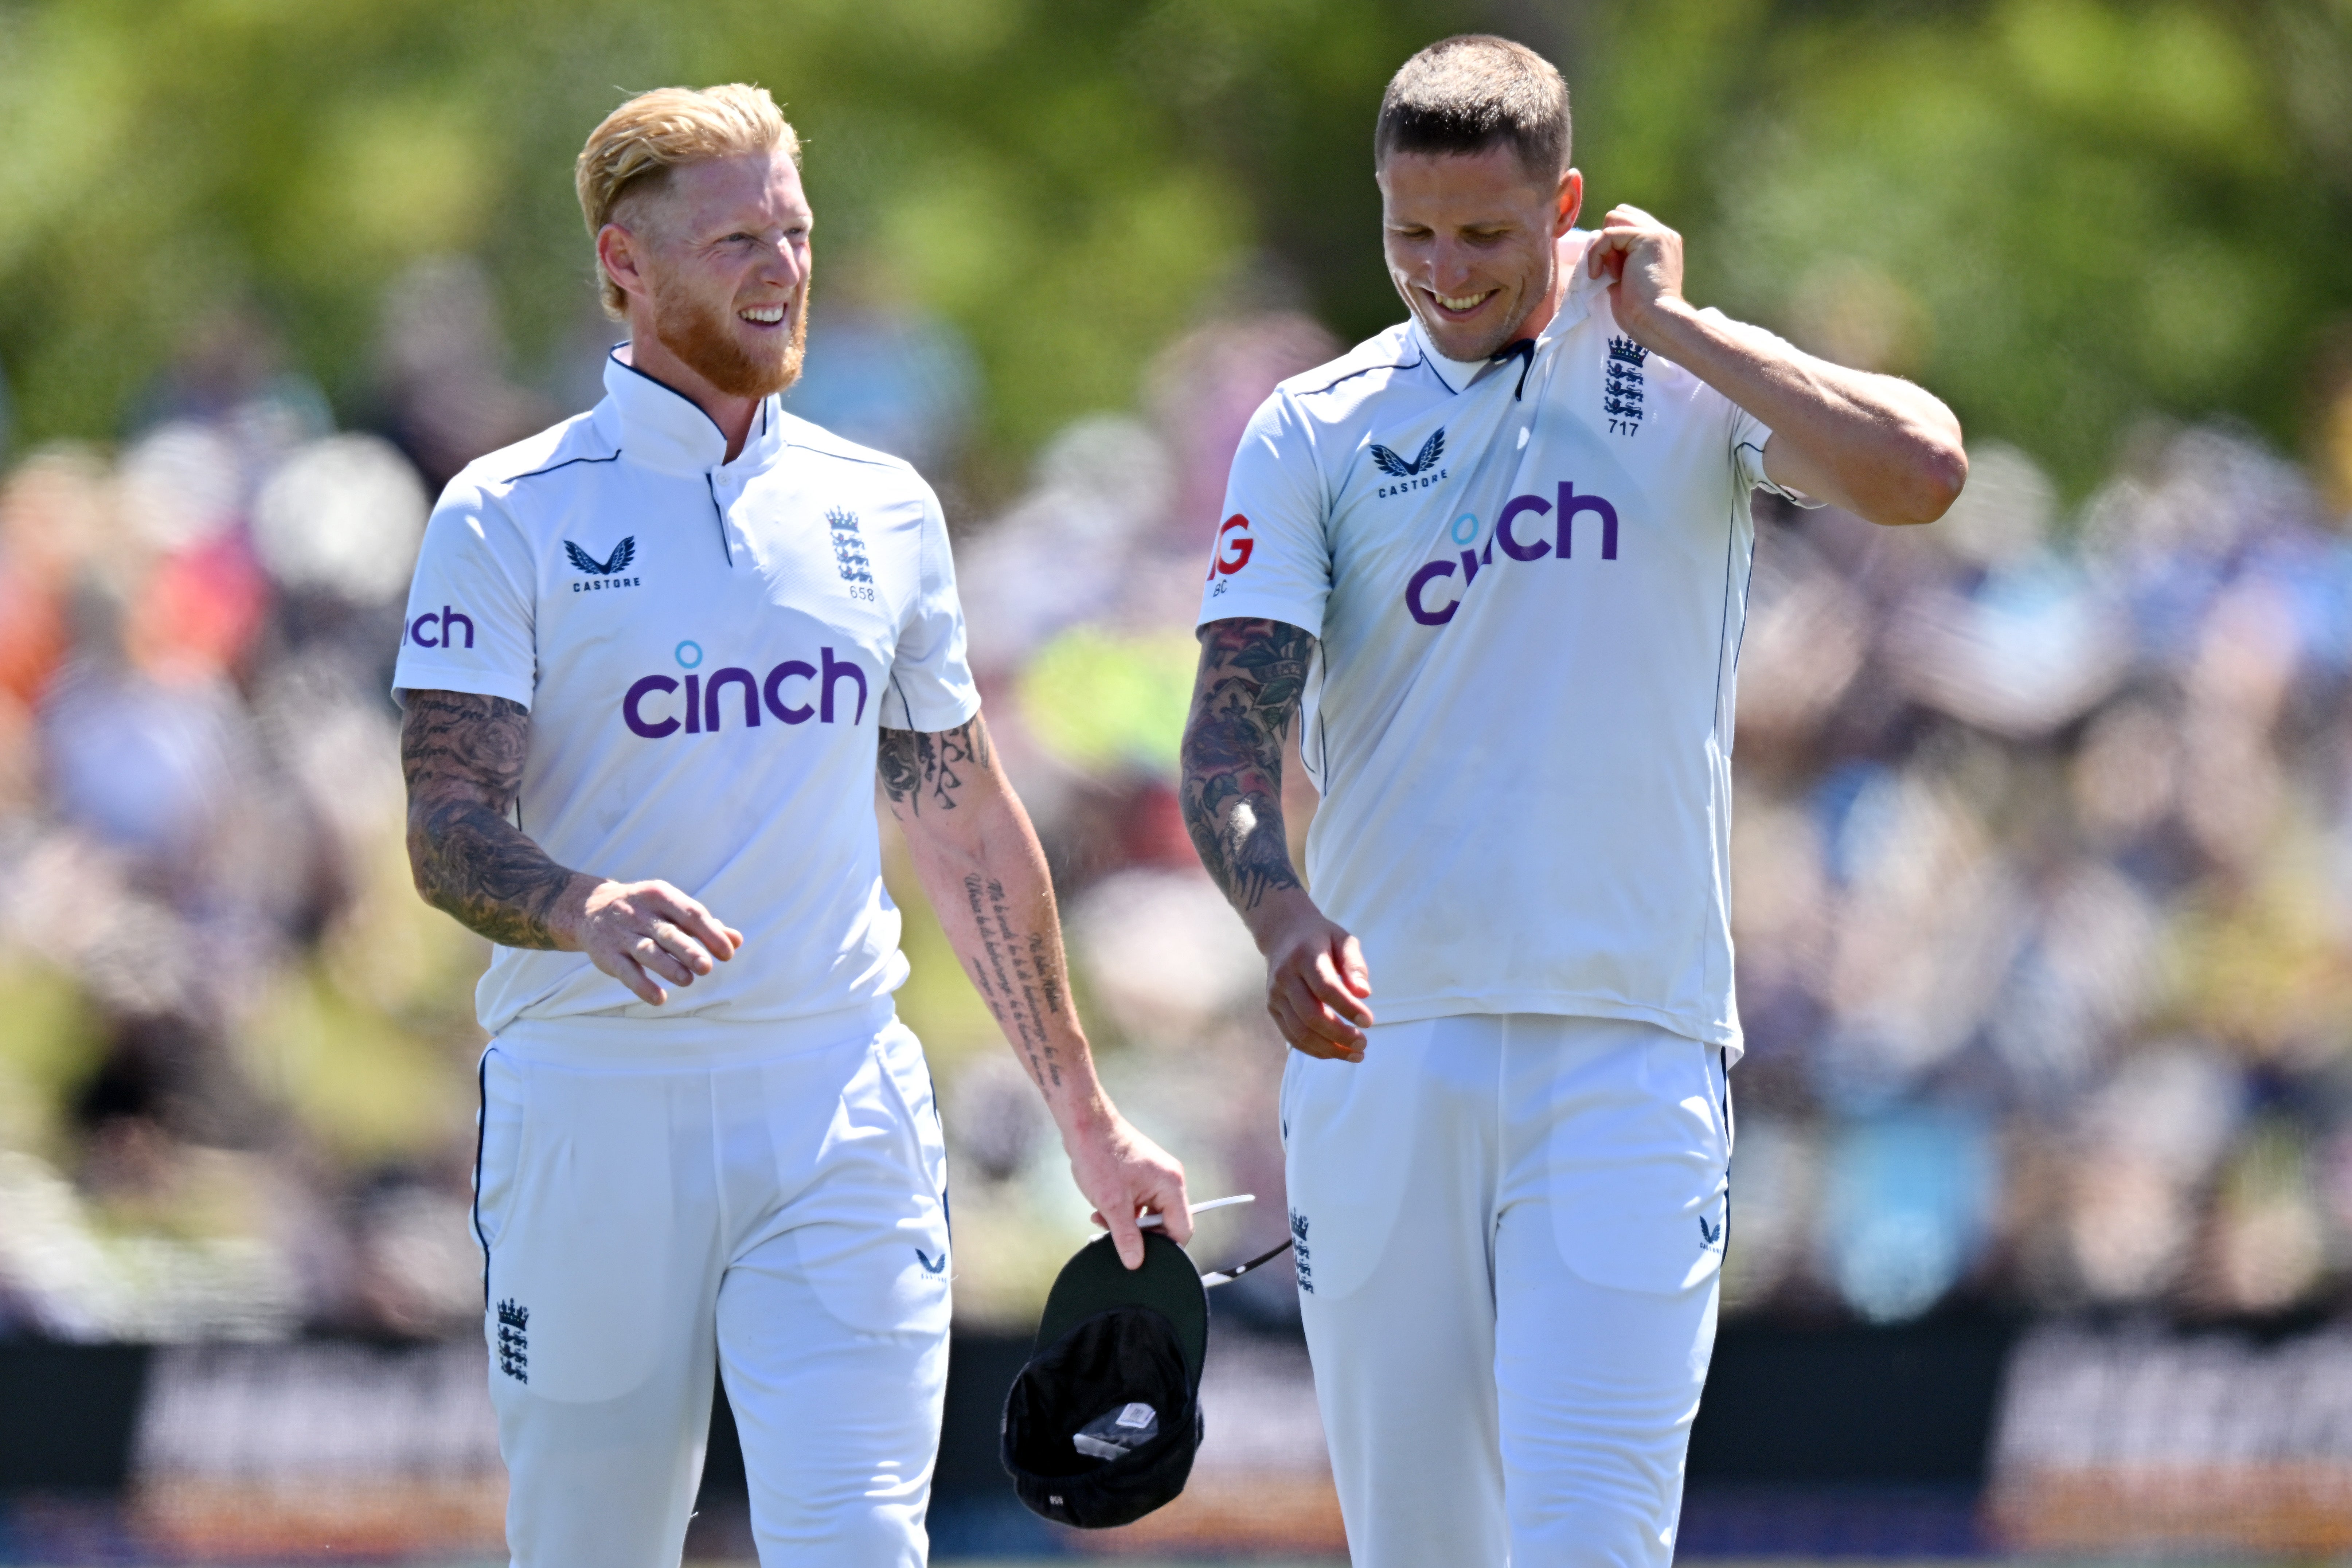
(604,574)
(1232,550)
(1415,473)
(793,692)
(431,630)
(1514,531)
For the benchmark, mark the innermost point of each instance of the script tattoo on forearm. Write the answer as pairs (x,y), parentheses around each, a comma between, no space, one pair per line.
(463,755)
(922,770)
(1019,975)
(1252,675)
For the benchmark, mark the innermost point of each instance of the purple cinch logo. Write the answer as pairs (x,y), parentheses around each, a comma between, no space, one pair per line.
(705,707)
(1514,546)
(442,627)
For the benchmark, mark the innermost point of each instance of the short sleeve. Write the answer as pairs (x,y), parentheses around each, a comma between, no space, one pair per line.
(472,613)
(930,686)
(1272,559)
(1750,437)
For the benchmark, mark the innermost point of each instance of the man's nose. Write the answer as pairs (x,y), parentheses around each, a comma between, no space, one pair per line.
(1450,265)
(783,264)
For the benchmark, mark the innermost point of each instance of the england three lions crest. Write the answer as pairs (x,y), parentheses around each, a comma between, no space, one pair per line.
(1622,387)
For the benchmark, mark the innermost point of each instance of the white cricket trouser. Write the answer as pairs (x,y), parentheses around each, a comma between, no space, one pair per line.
(770,1197)
(1509,1233)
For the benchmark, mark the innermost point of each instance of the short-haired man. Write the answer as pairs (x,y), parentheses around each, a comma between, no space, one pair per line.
(653,658)
(1500,554)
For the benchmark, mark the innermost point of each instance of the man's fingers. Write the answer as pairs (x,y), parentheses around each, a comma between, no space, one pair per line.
(1353,969)
(1323,982)
(694,922)
(675,940)
(1319,1020)
(631,973)
(1286,1019)
(1126,1237)
(1175,1210)
(649,954)
(1317,1032)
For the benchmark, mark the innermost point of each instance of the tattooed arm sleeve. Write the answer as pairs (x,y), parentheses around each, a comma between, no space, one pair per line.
(1252,675)
(462,757)
(980,862)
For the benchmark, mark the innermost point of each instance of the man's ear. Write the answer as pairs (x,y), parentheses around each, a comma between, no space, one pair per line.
(1570,202)
(617,253)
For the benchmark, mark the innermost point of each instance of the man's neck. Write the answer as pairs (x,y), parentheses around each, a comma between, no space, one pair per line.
(733,415)
(1568,256)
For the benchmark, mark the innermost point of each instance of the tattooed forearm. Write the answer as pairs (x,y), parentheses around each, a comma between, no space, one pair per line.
(921,771)
(463,755)
(1019,975)
(977,855)
(1252,675)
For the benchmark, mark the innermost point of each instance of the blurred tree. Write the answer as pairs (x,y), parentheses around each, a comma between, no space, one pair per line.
(2062,213)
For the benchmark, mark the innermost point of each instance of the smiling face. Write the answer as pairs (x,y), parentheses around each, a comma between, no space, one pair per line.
(1471,242)
(716,265)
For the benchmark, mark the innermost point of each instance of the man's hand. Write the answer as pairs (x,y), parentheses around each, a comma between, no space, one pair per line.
(1126,1175)
(1644,259)
(1316,979)
(462,754)
(1875,445)
(642,934)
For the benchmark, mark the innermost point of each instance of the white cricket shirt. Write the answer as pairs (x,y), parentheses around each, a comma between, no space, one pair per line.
(708,649)
(1527,578)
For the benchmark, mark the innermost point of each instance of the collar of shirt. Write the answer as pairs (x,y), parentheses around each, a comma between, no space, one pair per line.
(667,431)
(1577,304)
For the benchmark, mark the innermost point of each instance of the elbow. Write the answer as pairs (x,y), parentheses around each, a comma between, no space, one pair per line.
(1932,481)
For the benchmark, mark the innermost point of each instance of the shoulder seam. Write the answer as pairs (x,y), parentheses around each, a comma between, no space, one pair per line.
(881,462)
(567,462)
(1318,391)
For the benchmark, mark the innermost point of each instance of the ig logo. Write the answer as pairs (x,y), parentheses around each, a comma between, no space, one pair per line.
(1234,547)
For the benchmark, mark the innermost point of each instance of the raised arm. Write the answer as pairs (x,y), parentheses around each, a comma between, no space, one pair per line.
(979,863)
(1875,445)
(462,757)
(1244,698)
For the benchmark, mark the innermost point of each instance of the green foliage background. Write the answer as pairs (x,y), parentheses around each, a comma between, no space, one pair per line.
(2061,214)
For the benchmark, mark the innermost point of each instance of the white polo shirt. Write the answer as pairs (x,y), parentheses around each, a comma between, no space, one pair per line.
(708,649)
(1527,579)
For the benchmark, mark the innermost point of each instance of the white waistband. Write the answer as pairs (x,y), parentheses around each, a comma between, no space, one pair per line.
(605,1040)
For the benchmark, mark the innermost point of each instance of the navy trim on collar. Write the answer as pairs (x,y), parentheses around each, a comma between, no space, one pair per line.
(1318,391)
(681,396)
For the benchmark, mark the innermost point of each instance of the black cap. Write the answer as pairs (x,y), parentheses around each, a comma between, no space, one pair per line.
(1102,1424)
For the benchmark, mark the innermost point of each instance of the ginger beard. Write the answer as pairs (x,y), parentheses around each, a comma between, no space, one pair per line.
(707,339)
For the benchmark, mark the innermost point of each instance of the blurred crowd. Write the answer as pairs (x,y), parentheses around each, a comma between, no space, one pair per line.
(2042,856)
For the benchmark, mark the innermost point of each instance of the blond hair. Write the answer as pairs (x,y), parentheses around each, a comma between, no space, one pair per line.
(633,151)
